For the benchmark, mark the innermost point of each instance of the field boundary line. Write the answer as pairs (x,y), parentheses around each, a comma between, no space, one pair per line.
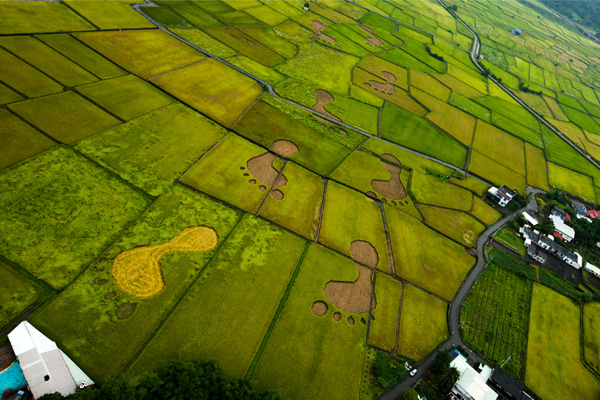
(325,183)
(282,301)
(395,349)
(168,314)
(389,241)
(285,162)
(372,300)
(176,69)
(582,344)
(58,142)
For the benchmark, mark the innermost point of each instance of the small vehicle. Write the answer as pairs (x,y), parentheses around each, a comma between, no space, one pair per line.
(19,395)
(413,372)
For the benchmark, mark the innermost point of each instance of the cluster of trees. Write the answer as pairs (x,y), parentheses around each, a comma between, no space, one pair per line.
(386,372)
(526,89)
(585,12)
(201,380)
(519,201)
(432,54)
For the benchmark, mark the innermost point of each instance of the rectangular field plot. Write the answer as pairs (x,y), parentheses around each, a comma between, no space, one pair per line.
(425,257)
(29,17)
(407,129)
(110,14)
(422,323)
(572,182)
(146,53)
(591,340)
(338,230)
(430,190)
(537,171)
(500,147)
(265,124)
(19,140)
(111,313)
(495,172)
(126,97)
(212,88)
(455,224)
(459,86)
(24,78)
(155,149)
(323,356)
(554,370)
(233,172)
(429,85)
(483,212)
(82,208)
(473,108)
(473,184)
(495,317)
(66,117)
(383,328)
(82,55)
(398,76)
(47,60)
(232,303)
(7,95)
(299,208)
(18,294)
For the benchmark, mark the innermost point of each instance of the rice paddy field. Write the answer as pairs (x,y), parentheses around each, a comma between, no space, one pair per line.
(305,185)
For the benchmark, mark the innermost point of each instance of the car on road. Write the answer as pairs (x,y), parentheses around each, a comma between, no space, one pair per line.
(413,372)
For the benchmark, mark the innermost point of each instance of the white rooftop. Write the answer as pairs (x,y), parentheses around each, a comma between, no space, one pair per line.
(473,383)
(530,218)
(561,227)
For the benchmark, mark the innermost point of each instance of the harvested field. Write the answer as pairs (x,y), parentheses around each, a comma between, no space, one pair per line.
(67,117)
(484,212)
(418,336)
(127,97)
(213,89)
(455,224)
(309,371)
(19,140)
(537,171)
(591,341)
(146,53)
(101,353)
(21,295)
(41,17)
(76,224)
(412,243)
(500,147)
(24,78)
(554,369)
(232,303)
(431,190)
(110,15)
(338,231)
(496,172)
(383,330)
(571,182)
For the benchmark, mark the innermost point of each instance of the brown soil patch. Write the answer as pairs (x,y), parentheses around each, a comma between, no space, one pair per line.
(392,188)
(277,194)
(125,311)
(371,195)
(246,174)
(387,87)
(350,321)
(284,148)
(363,321)
(137,271)
(252,181)
(355,297)
(7,357)
(262,188)
(343,133)
(110,295)
(373,40)
(319,308)
(337,316)
(323,98)
(318,27)
(261,167)
(393,203)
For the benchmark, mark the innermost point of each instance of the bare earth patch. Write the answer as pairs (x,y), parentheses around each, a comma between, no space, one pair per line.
(284,148)
(317,30)
(323,98)
(125,311)
(373,40)
(387,87)
(261,167)
(392,188)
(319,308)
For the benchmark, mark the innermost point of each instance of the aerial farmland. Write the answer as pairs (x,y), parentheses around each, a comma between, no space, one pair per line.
(305,192)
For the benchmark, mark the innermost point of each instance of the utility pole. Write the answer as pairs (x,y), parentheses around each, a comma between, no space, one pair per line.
(506,361)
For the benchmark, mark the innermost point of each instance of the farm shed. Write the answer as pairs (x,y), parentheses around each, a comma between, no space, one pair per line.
(46,368)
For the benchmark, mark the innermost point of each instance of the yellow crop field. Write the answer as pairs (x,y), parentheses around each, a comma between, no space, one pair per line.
(483,212)
(455,224)
(499,146)
(429,85)
(573,182)
(459,86)
(376,66)
(496,172)
(537,171)
(471,80)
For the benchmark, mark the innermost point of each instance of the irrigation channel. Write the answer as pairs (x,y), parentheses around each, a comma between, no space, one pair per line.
(483,240)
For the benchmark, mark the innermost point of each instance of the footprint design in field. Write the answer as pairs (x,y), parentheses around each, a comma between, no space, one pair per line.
(352,297)
(387,87)
(372,40)
(318,27)
(137,271)
(261,167)
(323,98)
(392,189)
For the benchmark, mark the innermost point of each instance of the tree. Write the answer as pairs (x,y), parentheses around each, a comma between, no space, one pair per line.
(52,396)
(447,378)
(442,360)
(409,394)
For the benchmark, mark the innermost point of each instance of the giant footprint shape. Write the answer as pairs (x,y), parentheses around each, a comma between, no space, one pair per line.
(137,271)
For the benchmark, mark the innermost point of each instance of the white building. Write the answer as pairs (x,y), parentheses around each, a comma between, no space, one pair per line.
(565,230)
(472,384)
(45,367)
(502,196)
(592,269)
(530,218)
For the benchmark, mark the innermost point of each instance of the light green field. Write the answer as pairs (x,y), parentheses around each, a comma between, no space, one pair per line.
(66,117)
(220,173)
(127,97)
(110,14)
(94,337)
(320,344)
(41,17)
(213,89)
(554,369)
(146,53)
(418,336)
(495,172)
(430,190)
(204,41)
(19,140)
(155,149)
(459,86)
(257,69)
(24,78)
(440,271)
(500,147)
(85,209)
(482,211)
(429,85)
(537,171)
(383,329)
(21,295)
(571,182)
(267,15)
(455,224)
(591,342)
(300,208)
(469,106)
(338,230)
(355,113)
(232,304)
